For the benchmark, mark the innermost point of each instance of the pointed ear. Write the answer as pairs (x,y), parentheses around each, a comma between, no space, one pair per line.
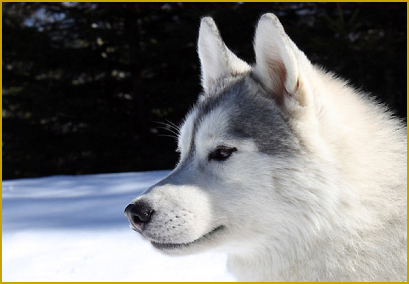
(276,59)
(217,61)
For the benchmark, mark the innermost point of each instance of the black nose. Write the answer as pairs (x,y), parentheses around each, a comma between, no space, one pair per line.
(139,214)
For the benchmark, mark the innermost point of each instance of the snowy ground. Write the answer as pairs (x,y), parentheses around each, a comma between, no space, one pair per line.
(72,228)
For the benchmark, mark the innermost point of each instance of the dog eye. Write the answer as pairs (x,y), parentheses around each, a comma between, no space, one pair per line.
(221,154)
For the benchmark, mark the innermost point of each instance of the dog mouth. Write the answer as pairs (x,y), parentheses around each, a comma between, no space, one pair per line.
(175,246)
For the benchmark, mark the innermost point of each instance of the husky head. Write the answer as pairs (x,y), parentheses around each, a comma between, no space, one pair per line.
(237,147)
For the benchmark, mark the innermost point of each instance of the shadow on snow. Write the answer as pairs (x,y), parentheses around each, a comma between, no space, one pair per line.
(71,202)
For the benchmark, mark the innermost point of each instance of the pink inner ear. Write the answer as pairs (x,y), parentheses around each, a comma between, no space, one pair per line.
(289,94)
(277,74)
(298,85)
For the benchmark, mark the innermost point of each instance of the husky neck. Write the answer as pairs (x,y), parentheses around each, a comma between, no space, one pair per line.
(334,144)
(297,252)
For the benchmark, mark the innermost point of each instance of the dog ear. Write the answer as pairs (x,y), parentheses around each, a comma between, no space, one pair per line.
(277,58)
(217,61)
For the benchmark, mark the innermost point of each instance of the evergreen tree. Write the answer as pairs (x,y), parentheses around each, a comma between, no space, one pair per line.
(86,86)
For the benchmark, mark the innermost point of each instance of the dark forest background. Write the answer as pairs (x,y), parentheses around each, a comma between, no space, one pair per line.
(86,86)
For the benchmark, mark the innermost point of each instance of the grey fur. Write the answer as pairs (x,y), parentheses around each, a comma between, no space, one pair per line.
(252,114)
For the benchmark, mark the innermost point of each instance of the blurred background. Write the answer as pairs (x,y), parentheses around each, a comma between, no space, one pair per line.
(88,86)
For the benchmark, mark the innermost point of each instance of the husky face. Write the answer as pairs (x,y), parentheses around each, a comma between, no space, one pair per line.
(226,146)
(222,142)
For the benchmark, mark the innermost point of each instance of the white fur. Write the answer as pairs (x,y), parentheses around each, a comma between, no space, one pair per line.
(335,211)
(216,59)
(276,62)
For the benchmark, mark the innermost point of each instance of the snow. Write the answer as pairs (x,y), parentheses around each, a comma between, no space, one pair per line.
(72,228)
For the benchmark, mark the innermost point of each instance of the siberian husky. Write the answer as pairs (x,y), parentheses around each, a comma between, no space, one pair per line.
(294,174)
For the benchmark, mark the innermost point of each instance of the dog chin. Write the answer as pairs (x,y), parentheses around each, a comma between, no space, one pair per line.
(203,243)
